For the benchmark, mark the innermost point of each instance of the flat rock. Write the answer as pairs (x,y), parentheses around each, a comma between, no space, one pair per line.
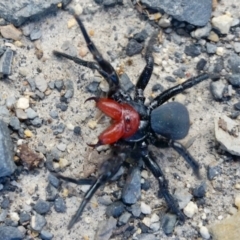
(10,32)
(7,164)
(227,134)
(41,83)
(226,229)
(195,12)
(18,12)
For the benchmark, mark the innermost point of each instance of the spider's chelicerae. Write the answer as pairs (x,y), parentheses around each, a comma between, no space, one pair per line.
(136,125)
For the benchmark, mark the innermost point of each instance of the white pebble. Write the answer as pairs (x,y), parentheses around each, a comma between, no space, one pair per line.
(145,209)
(190,209)
(204,232)
(154,218)
(220,51)
(147,221)
(22,103)
(14,216)
(237,201)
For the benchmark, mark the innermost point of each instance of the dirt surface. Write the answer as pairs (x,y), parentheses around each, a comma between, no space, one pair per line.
(110,30)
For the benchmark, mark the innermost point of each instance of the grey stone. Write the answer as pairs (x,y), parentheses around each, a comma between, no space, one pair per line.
(6,61)
(32,83)
(41,206)
(133,47)
(183,197)
(59,205)
(41,83)
(53,114)
(211,48)
(35,34)
(4,114)
(18,12)
(193,50)
(168,223)
(105,229)
(136,210)
(213,171)
(233,63)
(10,102)
(51,192)
(147,236)
(93,86)
(115,209)
(58,85)
(10,233)
(31,114)
(14,123)
(132,188)
(7,164)
(24,217)
(234,80)
(195,12)
(126,83)
(123,219)
(69,89)
(38,222)
(202,32)
(217,89)
(37,122)
(45,235)
(53,180)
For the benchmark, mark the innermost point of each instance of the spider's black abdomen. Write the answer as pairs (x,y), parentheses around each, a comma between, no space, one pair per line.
(171,120)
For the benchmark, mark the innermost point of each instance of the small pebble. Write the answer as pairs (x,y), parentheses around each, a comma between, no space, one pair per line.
(204,232)
(190,209)
(145,209)
(38,222)
(83,51)
(220,51)
(71,23)
(77,130)
(92,124)
(60,205)
(22,103)
(31,114)
(237,201)
(42,207)
(28,133)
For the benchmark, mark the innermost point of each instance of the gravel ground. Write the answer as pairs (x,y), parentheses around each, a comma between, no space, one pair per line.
(110,30)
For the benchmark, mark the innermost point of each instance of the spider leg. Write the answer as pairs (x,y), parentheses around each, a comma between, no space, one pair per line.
(88,64)
(108,169)
(110,74)
(151,164)
(147,71)
(180,149)
(169,93)
(82,181)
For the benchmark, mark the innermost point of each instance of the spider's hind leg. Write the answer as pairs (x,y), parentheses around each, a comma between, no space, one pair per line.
(155,169)
(108,169)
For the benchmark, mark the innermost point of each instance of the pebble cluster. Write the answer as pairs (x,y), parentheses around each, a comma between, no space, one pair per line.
(212,44)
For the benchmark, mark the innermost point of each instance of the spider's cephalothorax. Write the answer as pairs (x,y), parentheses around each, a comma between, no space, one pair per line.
(136,125)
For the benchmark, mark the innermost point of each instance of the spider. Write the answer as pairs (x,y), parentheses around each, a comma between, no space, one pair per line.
(136,124)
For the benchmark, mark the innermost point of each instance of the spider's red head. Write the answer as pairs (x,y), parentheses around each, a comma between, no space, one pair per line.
(125,120)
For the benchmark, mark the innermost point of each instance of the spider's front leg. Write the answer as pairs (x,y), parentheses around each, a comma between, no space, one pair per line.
(155,169)
(102,66)
(147,71)
(171,92)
